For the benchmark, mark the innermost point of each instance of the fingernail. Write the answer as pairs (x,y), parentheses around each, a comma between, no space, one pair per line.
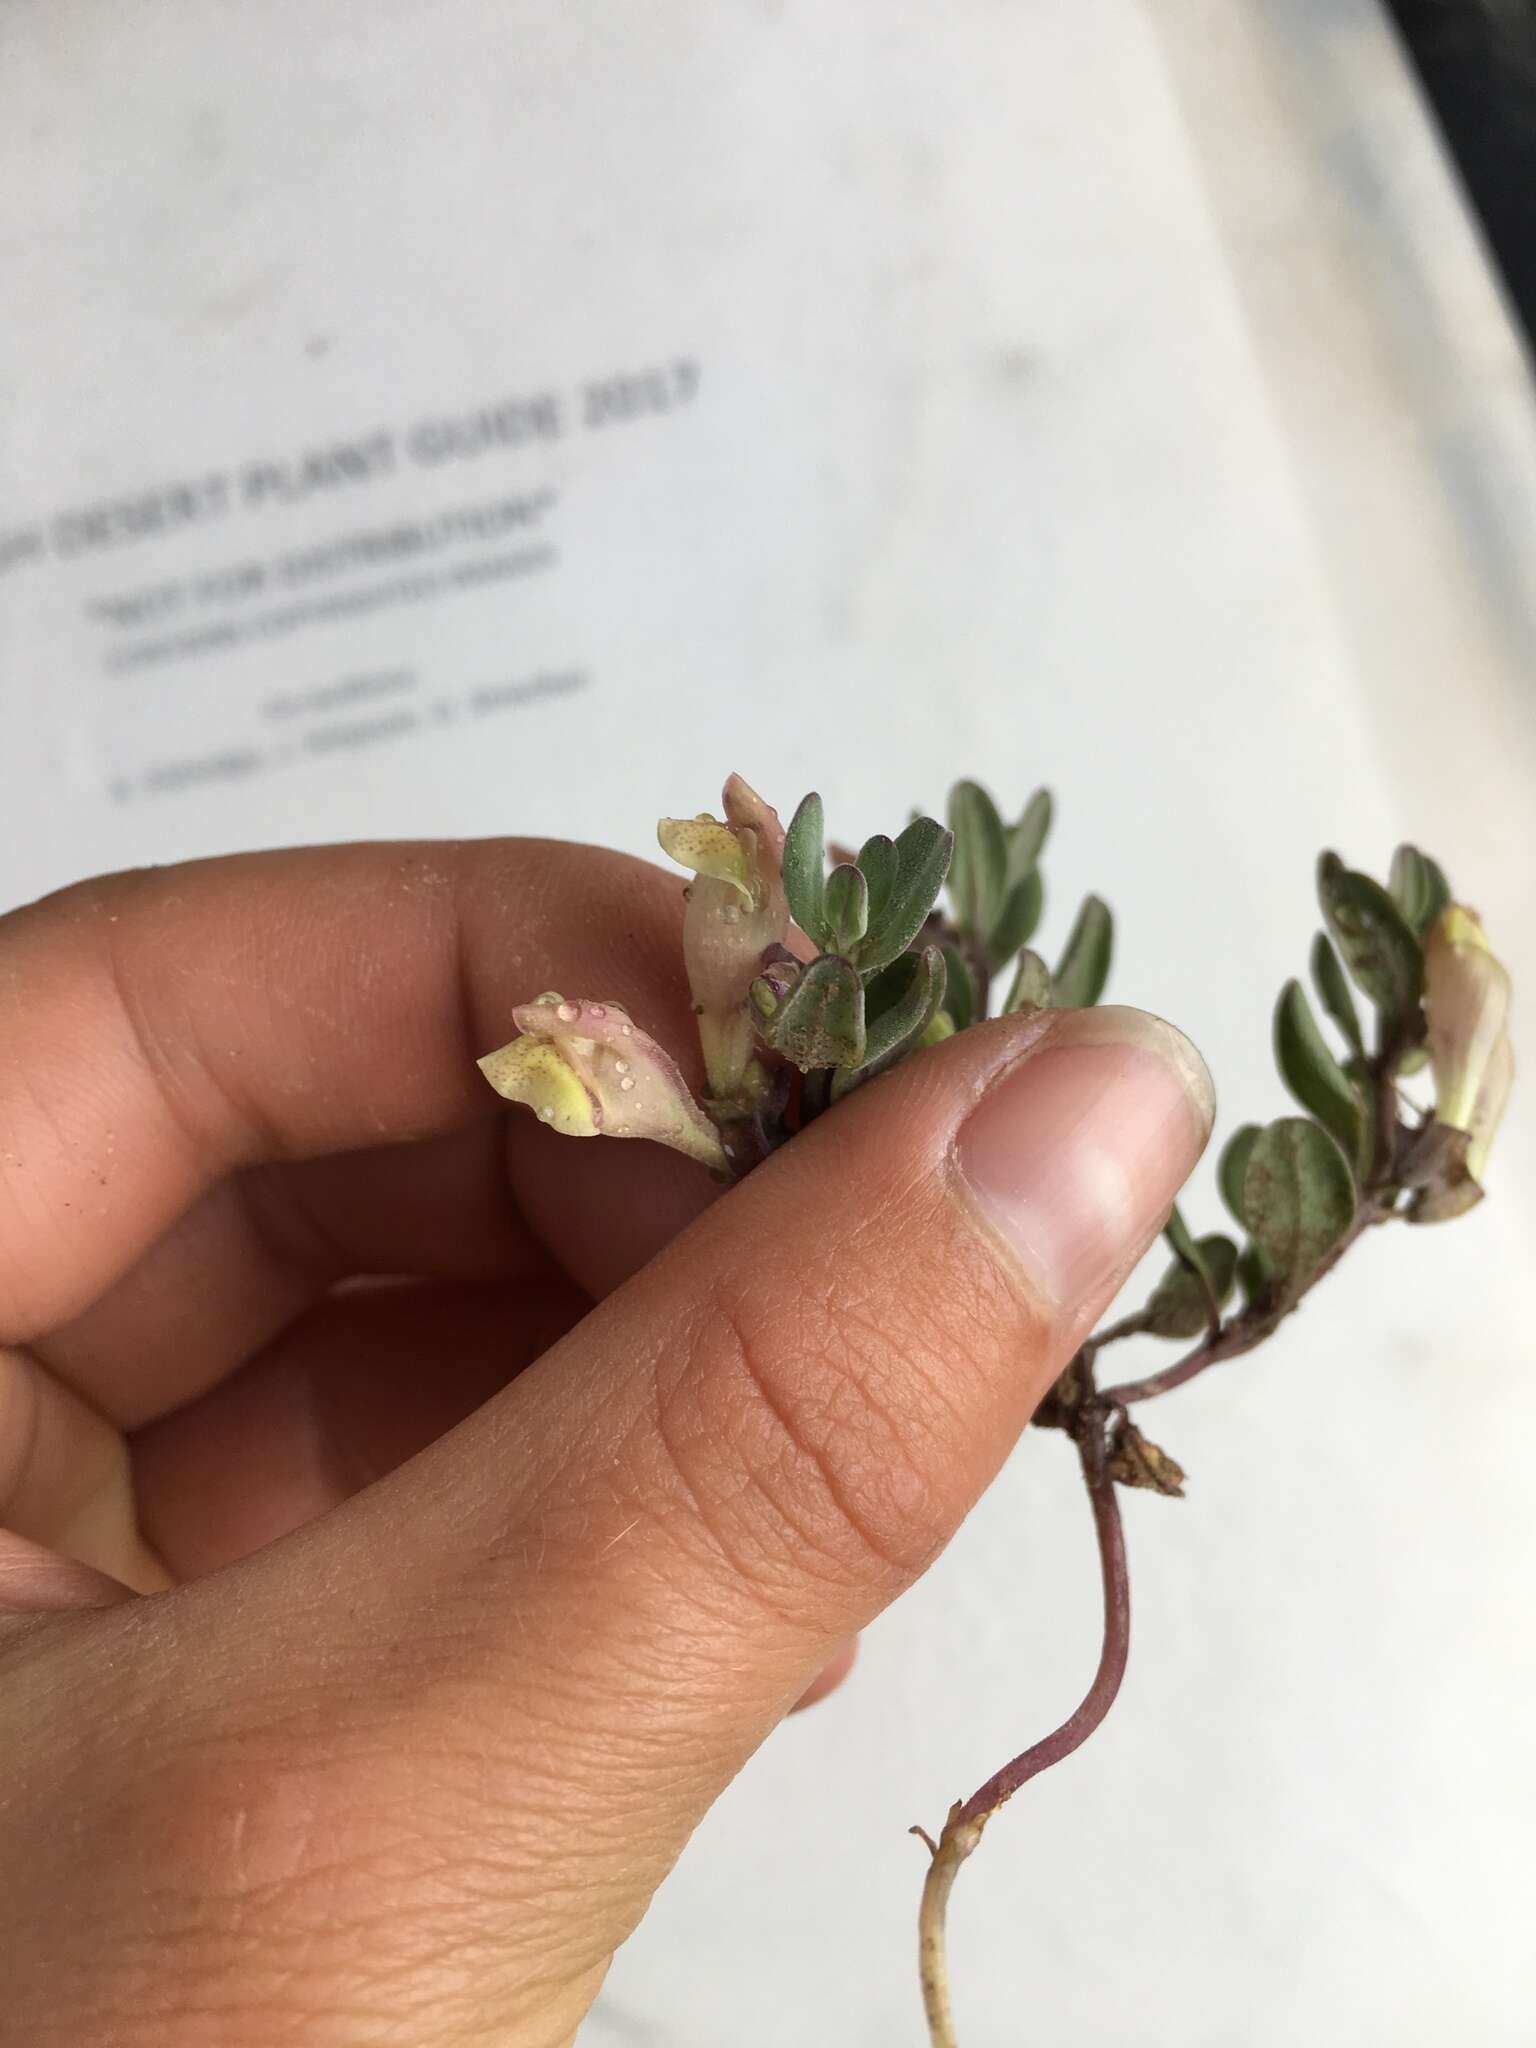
(1076,1153)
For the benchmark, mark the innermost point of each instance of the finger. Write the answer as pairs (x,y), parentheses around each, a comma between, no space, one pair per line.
(263,1246)
(830,1676)
(34,1580)
(590,1602)
(342,1397)
(165,1027)
(65,1480)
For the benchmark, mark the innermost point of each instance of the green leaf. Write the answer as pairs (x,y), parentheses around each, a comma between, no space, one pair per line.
(845,907)
(1378,946)
(1332,986)
(1233,1165)
(1254,1275)
(820,1023)
(1083,968)
(1298,1197)
(1309,1069)
(1359,1075)
(1179,1305)
(805,868)
(959,989)
(878,862)
(1180,1239)
(1028,836)
(1031,985)
(1016,926)
(885,989)
(1438,888)
(1418,887)
(979,875)
(922,860)
(901,1022)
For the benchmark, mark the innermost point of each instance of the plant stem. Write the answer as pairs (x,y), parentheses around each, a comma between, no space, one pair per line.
(1112,1333)
(948,1853)
(1246,1331)
(963,1828)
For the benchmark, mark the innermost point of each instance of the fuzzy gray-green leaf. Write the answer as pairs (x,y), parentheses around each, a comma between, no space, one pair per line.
(1028,836)
(960,988)
(1309,1069)
(878,862)
(1418,887)
(1332,985)
(978,877)
(845,908)
(805,868)
(1232,1166)
(1254,1275)
(905,1019)
(922,861)
(820,1023)
(1180,1305)
(1020,914)
(1378,945)
(1298,1197)
(1083,967)
(1031,988)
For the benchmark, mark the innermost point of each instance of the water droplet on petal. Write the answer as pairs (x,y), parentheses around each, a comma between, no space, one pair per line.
(621,1066)
(597,1009)
(546,1116)
(567,1013)
(626,1029)
(627,1083)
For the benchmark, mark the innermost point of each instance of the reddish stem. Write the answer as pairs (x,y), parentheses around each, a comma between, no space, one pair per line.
(1100,1696)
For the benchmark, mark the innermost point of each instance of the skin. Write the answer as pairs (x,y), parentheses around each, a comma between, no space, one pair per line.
(413,1520)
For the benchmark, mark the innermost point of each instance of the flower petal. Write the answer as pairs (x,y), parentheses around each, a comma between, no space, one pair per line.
(1466,998)
(636,1089)
(532,1070)
(1498,1080)
(708,848)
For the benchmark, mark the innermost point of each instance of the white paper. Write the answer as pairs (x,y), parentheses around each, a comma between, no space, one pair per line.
(546,409)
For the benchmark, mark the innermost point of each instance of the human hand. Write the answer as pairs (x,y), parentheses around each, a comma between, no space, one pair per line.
(491,1497)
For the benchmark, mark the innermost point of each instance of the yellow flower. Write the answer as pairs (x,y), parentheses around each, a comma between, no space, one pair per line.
(1466,998)
(587,1070)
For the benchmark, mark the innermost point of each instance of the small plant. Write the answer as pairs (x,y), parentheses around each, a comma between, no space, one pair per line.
(810,980)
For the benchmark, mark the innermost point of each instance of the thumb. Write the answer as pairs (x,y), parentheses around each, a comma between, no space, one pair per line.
(569,1623)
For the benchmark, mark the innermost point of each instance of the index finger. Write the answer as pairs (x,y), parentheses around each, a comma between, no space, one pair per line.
(165,1026)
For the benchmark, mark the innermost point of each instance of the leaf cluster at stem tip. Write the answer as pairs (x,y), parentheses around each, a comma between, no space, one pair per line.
(1302,1186)
(896,967)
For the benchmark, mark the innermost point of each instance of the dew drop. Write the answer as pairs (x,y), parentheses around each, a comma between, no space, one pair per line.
(567,1013)
(597,1009)
(627,1083)
(546,1116)
(621,1066)
(626,1029)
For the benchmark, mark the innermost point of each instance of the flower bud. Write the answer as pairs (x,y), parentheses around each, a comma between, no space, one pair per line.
(1466,998)
(586,1070)
(736,911)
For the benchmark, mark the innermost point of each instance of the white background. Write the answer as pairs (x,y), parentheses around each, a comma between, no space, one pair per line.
(1092,391)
